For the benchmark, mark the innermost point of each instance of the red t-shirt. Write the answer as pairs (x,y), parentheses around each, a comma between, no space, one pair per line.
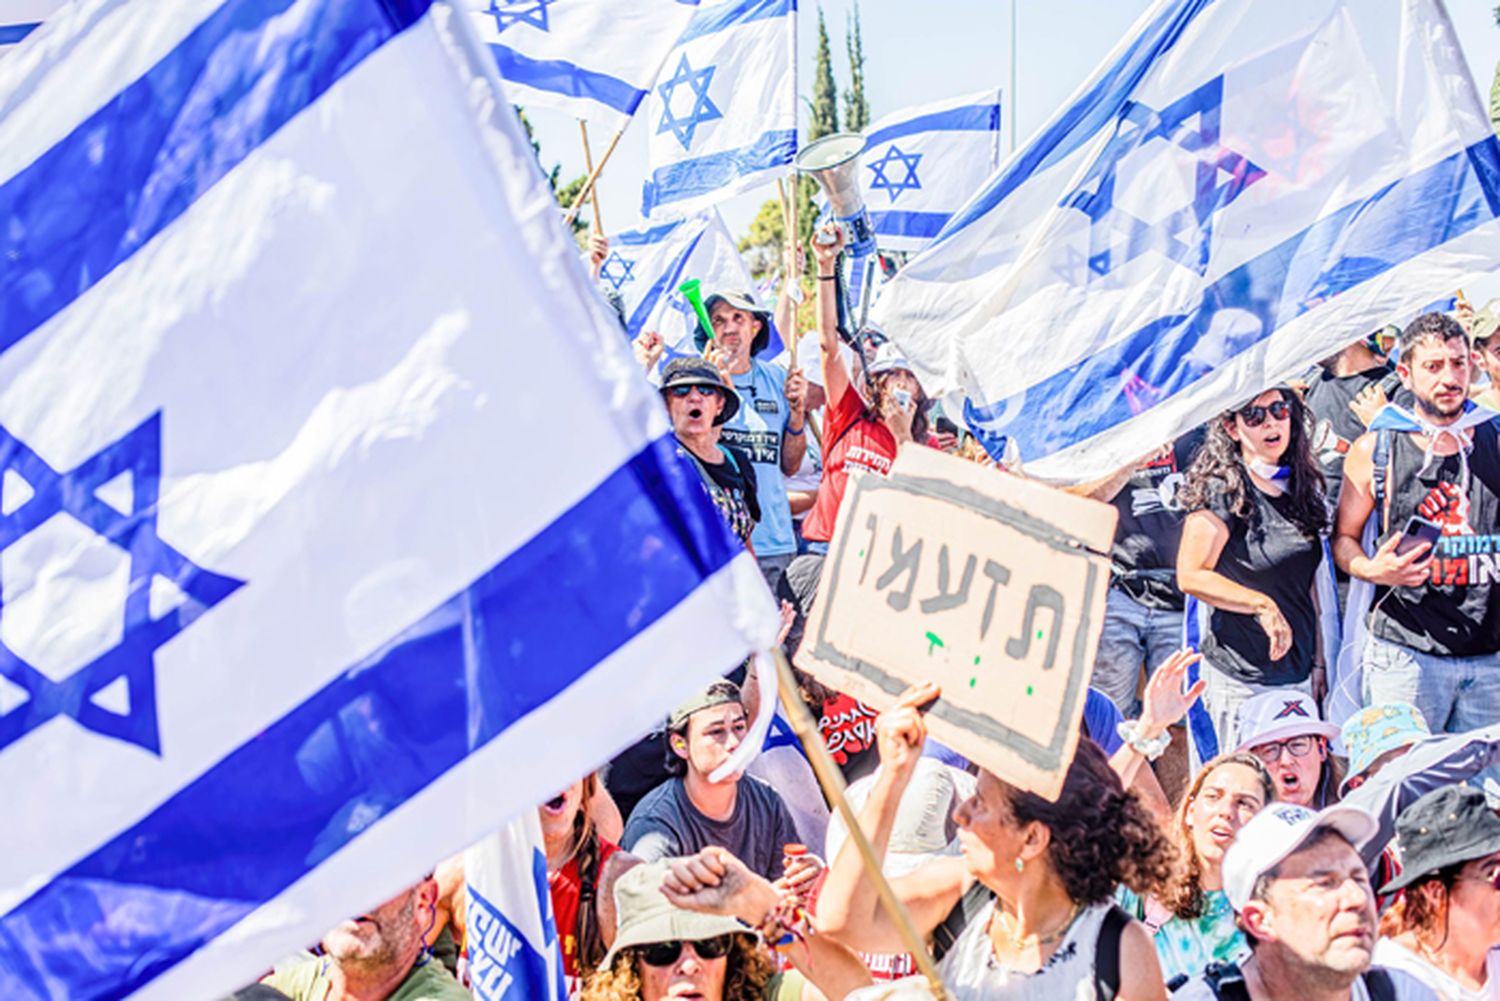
(566,889)
(859,442)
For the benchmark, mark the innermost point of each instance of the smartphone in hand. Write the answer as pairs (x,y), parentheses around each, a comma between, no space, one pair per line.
(1416,532)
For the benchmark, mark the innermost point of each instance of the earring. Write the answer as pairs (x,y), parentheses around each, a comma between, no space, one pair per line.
(1020,866)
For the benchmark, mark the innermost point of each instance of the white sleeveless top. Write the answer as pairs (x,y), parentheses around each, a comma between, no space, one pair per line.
(971,972)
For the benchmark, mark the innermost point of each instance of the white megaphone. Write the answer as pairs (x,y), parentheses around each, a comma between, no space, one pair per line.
(833,162)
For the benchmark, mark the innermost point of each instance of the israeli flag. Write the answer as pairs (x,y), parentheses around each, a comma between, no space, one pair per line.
(922,164)
(19,18)
(593,59)
(273,325)
(646,266)
(722,117)
(513,948)
(1241,189)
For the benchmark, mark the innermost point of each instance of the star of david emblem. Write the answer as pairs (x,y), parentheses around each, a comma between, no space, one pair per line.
(908,180)
(509,12)
(88,589)
(1220,175)
(617,270)
(684,125)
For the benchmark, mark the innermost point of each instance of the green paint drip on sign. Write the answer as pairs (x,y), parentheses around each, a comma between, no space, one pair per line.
(1030,690)
(933,642)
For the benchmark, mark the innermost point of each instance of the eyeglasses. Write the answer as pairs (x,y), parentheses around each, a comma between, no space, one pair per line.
(688,389)
(1297,747)
(1255,416)
(1493,879)
(667,953)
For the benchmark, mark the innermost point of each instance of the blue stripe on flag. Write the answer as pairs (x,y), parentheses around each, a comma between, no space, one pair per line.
(1406,218)
(971,118)
(1086,116)
(689,178)
(125,174)
(10,34)
(664,285)
(917,224)
(645,237)
(382,731)
(563,77)
(711,20)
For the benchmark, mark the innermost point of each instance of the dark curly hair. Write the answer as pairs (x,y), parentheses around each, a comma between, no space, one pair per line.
(750,970)
(1185,897)
(1218,470)
(1101,834)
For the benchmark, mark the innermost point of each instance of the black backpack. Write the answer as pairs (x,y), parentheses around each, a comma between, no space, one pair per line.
(1228,983)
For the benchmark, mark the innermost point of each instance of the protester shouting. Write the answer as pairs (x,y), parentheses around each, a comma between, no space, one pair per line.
(1284,730)
(582,867)
(1251,547)
(1051,869)
(699,404)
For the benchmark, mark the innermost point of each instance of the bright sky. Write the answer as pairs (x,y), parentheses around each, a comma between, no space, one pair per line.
(928,51)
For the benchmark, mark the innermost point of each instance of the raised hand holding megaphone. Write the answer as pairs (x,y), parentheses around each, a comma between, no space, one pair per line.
(833,162)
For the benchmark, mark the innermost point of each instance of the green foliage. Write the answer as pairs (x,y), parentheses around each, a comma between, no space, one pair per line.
(825,103)
(856,108)
(563,192)
(762,247)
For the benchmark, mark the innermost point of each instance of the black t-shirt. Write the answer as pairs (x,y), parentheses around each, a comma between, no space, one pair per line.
(731,483)
(1335,426)
(1269,553)
(1456,613)
(1150,527)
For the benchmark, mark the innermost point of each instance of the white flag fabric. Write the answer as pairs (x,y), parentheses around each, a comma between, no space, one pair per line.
(1241,189)
(19,18)
(513,948)
(722,118)
(922,164)
(646,266)
(283,582)
(593,59)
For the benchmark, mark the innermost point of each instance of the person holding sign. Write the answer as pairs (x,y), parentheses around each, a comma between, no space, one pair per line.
(1251,548)
(1048,927)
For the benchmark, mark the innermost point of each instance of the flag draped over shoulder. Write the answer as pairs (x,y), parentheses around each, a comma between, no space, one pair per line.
(279,623)
(593,59)
(1240,190)
(923,163)
(722,117)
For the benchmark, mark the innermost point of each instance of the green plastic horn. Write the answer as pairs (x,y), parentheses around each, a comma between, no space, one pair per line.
(692,291)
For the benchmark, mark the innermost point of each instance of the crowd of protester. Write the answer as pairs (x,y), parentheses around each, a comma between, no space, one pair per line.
(1278,848)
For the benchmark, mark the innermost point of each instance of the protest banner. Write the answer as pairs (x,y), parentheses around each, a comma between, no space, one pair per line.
(990,585)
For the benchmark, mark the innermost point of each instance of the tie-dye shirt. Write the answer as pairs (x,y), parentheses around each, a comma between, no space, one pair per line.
(1185,946)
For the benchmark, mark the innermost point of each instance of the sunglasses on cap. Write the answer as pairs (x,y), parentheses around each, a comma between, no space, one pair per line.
(1255,416)
(667,953)
(685,390)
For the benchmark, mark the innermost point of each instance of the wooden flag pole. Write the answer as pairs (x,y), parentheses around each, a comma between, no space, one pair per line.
(794,272)
(588,184)
(833,785)
(588,163)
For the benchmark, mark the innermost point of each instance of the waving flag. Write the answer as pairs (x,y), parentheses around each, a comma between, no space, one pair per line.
(592,59)
(722,118)
(1240,190)
(922,164)
(272,596)
(646,267)
(19,18)
(513,948)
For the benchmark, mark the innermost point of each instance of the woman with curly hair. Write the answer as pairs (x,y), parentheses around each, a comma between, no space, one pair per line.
(1048,869)
(696,927)
(1251,546)
(1193,923)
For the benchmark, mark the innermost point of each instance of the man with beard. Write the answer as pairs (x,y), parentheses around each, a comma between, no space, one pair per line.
(379,956)
(1420,504)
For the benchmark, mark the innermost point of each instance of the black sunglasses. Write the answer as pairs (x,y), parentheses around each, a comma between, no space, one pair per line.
(685,390)
(1254,416)
(667,953)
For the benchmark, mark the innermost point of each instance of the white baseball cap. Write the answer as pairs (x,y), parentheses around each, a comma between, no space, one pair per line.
(1277,715)
(1276,832)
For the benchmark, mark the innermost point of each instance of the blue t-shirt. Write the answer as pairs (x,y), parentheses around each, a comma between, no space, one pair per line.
(756,430)
(1101,721)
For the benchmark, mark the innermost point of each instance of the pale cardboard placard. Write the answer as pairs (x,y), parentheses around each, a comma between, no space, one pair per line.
(952,572)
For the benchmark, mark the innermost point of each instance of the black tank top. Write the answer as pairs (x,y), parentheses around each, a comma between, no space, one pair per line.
(1453,614)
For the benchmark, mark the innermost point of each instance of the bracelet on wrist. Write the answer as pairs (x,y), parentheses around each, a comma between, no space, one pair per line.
(1149,748)
(828,278)
(796,432)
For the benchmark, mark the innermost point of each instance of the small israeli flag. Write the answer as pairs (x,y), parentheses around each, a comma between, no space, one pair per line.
(924,163)
(593,59)
(513,947)
(272,601)
(20,18)
(722,118)
(1237,192)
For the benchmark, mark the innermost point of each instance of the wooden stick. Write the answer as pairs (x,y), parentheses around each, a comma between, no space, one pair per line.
(833,785)
(588,184)
(588,162)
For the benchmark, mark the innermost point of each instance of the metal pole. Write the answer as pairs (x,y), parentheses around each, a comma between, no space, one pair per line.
(1014,49)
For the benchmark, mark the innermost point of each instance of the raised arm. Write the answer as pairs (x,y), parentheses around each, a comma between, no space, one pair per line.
(835,372)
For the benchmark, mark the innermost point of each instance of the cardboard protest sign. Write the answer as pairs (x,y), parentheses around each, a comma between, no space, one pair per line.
(988,584)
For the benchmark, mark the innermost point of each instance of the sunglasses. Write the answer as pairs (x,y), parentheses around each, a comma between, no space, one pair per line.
(686,390)
(1255,416)
(1297,747)
(1493,879)
(667,953)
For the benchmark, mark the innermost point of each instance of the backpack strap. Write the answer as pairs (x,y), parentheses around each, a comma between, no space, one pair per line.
(1380,460)
(1107,953)
(1227,982)
(1379,985)
(968,907)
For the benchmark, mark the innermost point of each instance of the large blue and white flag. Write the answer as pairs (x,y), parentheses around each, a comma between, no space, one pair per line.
(922,164)
(592,59)
(722,118)
(513,947)
(646,266)
(1241,189)
(272,322)
(19,18)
